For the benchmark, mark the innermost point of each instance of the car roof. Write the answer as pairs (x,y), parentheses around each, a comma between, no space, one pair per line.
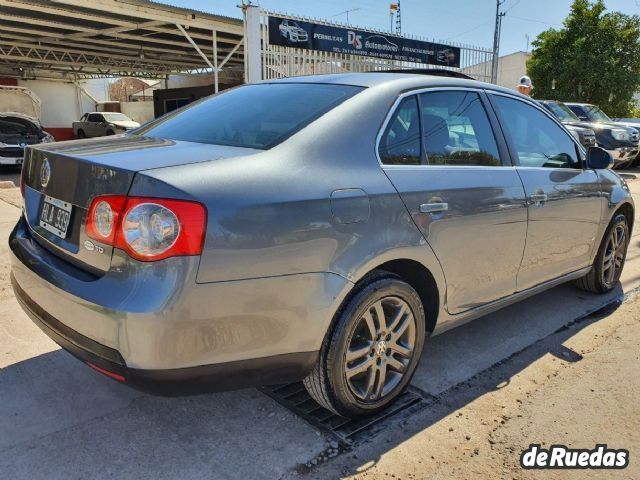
(578,104)
(403,81)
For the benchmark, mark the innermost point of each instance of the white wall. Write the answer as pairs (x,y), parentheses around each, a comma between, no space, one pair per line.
(141,112)
(60,102)
(97,87)
(510,68)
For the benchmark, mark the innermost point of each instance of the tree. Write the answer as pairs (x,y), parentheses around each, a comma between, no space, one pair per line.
(595,59)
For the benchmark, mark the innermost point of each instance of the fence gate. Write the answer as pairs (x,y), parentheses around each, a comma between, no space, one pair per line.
(292,46)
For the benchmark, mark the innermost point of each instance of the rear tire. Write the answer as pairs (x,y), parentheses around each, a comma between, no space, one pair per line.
(365,363)
(610,259)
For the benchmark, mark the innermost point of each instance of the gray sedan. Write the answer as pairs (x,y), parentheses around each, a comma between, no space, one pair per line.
(314,228)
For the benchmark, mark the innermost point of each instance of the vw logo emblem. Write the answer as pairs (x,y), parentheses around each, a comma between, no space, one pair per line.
(45,173)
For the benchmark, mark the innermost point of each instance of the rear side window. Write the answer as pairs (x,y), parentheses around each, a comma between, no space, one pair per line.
(253,116)
(94,117)
(456,130)
(538,140)
(400,143)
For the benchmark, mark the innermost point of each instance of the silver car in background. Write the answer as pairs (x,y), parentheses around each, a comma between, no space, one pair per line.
(314,228)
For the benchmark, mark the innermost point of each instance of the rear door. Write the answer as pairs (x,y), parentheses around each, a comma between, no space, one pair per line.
(440,151)
(565,204)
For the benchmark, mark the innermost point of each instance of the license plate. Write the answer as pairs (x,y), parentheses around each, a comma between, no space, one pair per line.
(55,216)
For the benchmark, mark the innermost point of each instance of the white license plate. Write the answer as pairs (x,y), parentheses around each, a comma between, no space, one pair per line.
(55,216)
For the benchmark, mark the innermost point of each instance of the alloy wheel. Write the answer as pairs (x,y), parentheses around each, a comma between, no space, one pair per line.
(380,349)
(614,254)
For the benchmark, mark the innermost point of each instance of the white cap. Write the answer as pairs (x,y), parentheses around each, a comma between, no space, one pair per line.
(525,81)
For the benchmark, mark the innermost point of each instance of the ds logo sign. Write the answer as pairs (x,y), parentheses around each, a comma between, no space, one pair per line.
(354,40)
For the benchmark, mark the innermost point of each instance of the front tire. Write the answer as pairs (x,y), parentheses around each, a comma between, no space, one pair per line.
(610,259)
(372,350)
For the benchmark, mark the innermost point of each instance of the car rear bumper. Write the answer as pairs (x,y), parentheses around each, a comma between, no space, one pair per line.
(162,332)
(180,381)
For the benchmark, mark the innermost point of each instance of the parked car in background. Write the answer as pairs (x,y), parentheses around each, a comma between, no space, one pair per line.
(585,135)
(19,124)
(623,137)
(314,228)
(100,124)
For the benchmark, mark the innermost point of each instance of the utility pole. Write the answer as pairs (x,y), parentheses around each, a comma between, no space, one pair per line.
(398,20)
(496,41)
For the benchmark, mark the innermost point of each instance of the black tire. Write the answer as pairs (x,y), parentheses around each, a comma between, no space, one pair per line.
(353,325)
(110,132)
(601,279)
(81,134)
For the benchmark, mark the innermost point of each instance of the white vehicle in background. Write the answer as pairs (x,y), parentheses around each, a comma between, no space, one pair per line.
(20,111)
(100,124)
(292,31)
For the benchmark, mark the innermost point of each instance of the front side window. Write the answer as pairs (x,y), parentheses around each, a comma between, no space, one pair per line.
(400,143)
(456,130)
(538,140)
(253,116)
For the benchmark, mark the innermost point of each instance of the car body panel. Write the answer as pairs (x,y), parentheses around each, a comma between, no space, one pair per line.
(480,238)
(161,319)
(562,230)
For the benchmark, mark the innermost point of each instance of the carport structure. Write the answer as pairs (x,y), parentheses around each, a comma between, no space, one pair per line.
(101,38)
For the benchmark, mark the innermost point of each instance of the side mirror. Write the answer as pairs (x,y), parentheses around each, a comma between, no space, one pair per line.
(598,158)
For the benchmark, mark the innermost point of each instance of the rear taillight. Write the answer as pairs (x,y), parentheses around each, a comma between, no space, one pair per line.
(148,229)
(104,217)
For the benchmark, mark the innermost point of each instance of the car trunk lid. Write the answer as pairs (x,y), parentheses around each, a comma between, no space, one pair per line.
(78,171)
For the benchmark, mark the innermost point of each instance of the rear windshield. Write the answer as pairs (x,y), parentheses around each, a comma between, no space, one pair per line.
(253,116)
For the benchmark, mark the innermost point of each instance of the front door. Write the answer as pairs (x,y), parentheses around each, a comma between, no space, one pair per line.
(565,204)
(94,125)
(440,152)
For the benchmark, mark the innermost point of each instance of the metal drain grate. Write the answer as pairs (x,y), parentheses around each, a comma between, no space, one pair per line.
(295,397)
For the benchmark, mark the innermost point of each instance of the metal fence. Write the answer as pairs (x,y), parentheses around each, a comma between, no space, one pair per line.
(280,61)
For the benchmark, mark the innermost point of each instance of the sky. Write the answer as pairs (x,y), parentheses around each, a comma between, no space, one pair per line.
(463,21)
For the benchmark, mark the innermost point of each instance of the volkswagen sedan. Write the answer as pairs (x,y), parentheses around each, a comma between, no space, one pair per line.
(314,228)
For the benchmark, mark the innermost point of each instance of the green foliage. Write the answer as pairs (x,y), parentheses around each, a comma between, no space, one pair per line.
(595,58)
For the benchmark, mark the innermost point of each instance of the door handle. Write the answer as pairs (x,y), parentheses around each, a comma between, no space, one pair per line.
(434,207)
(538,198)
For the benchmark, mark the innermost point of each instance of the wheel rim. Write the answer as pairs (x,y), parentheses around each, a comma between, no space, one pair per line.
(613,258)
(380,349)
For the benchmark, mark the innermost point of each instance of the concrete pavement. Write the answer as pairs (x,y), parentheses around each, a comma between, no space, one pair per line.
(59,419)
